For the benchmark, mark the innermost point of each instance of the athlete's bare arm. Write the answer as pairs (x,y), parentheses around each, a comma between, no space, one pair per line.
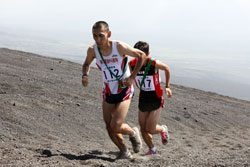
(86,65)
(164,67)
(124,50)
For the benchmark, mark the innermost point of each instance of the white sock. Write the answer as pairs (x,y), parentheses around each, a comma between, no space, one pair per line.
(126,153)
(163,129)
(153,149)
(134,134)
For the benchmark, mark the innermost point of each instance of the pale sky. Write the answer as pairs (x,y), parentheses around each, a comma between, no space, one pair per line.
(177,22)
(131,15)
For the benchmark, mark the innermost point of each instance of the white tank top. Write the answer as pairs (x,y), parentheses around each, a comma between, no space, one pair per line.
(116,64)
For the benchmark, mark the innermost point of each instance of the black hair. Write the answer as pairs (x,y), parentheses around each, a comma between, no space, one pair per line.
(143,46)
(101,24)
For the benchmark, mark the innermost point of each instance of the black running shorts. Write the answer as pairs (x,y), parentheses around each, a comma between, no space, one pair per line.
(117,98)
(148,101)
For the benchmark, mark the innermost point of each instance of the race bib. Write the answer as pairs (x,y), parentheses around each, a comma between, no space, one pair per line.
(108,76)
(148,84)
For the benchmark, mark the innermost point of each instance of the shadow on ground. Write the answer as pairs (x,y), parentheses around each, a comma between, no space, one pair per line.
(95,154)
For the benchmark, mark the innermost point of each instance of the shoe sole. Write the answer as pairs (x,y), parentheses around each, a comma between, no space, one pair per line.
(129,156)
(139,138)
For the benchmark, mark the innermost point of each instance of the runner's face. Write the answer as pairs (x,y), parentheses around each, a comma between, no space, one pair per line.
(100,36)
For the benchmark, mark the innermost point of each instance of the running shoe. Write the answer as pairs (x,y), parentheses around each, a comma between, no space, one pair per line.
(136,141)
(124,155)
(165,135)
(150,152)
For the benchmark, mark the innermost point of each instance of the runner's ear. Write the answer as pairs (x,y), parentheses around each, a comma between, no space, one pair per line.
(148,53)
(109,34)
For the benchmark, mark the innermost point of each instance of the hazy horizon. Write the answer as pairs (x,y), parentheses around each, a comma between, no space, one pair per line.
(204,42)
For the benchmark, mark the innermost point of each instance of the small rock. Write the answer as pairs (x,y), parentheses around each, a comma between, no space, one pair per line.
(60,102)
(3,92)
(177,118)
(185,108)
(47,152)
(14,104)
(78,104)
(51,69)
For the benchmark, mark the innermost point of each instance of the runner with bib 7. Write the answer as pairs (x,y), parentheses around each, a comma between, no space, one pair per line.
(151,99)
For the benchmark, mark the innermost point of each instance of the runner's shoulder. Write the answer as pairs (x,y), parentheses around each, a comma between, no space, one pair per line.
(91,50)
(154,61)
(91,47)
(121,44)
(133,62)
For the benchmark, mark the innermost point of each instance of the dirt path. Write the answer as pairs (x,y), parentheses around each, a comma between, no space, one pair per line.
(43,107)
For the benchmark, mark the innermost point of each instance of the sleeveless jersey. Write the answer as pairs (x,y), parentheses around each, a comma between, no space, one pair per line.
(152,79)
(116,64)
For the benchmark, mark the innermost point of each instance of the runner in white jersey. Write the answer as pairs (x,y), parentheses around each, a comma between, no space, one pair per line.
(151,98)
(113,91)
(117,89)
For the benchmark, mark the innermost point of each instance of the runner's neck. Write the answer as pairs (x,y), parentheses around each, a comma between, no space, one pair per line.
(106,49)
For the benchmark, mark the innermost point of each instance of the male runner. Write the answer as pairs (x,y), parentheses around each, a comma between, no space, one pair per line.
(111,59)
(151,98)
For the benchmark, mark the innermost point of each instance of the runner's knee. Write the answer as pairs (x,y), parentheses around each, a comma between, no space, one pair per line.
(115,127)
(150,129)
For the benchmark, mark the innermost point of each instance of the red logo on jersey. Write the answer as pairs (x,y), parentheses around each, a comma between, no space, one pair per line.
(113,60)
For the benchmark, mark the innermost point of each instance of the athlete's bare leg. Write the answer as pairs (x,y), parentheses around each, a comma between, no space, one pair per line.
(114,115)
(118,118)
(108,110)
(151,123)
(148,123)
(146,136)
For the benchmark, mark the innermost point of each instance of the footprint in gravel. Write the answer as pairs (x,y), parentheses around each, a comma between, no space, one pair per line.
(187,115)
(188,143)
(177,118)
